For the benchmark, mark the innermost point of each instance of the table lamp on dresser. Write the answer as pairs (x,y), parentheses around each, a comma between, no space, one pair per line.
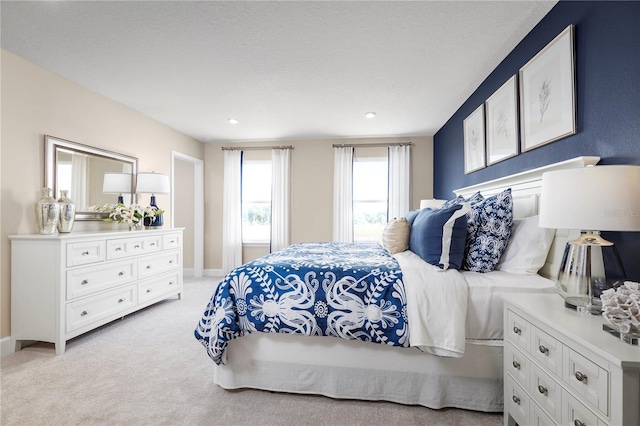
(590,199)
(117,183)
(153,183)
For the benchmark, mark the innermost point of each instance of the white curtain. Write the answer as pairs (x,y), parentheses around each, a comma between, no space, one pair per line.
(343,194)
(78,190)
(399,181)
(232,211)
(280,160)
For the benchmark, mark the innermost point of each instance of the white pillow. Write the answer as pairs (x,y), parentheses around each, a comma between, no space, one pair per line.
(395,237)
(528,247)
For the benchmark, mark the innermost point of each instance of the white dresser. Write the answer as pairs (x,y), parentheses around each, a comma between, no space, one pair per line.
(67,284)
(561,368)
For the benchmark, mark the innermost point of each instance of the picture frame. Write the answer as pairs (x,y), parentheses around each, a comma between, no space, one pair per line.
(502,122)
(547,93)
(474,141)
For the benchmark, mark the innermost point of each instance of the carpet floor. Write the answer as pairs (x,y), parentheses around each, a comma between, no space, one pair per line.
(148,369)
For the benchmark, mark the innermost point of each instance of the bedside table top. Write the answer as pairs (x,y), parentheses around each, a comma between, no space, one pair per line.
(584,329)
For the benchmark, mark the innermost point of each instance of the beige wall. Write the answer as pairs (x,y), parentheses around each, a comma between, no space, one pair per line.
(183,175)
(311,188)
(36,102)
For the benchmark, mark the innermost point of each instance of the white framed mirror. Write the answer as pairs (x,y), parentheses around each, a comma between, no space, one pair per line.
(80,169)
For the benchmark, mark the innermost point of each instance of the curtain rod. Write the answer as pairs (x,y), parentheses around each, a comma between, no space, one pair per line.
(254,148)
(370,145)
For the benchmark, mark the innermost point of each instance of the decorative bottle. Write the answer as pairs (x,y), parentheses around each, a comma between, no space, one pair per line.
(47,213)
(67,212)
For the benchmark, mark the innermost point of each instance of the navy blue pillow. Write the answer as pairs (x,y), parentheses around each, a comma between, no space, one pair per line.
(411,216)
(438,236)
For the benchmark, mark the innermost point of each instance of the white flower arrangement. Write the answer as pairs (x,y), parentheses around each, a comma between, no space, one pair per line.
(621,307)
(133,215)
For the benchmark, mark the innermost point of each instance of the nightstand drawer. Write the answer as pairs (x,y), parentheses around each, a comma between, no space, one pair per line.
(85,281)
(516,401)
(86,311)
(517,331)
(85,252)
(546,392)
(159,263)
(546,350)
(587,379)
(516,364)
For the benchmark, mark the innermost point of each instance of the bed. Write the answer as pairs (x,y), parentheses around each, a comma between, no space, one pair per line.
(464,374)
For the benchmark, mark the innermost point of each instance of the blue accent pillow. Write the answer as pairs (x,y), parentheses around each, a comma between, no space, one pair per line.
(489,228)
(411,216)
(438,236)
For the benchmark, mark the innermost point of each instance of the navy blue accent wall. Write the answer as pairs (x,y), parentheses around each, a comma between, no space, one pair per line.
(607,45)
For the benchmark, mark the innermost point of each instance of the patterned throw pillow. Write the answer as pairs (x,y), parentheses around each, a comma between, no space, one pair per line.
(438,236)
(395,237)
(492,219)
(450,203)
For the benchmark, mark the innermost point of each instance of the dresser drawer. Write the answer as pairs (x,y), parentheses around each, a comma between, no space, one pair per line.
(546,392)
(171,241)
(516,364)
(588,379)
(539,417)
(123,247)
(158,286)
(546,350)
(157,264)
(575,413)
(95,308)
(516,401)
(91,279)
(517,331)
(86,252)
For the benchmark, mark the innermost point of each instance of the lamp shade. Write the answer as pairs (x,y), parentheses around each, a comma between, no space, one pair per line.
(116,183)
(432,203)
(597,198)
(152,183)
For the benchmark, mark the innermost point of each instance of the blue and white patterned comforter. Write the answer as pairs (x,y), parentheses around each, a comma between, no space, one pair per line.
(353,291)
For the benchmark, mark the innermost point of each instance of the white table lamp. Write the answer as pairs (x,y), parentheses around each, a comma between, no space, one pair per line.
(153,183)
(432,203)
(117,183)
(590,199)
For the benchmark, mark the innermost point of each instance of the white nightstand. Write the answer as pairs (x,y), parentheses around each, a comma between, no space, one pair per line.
(561,368)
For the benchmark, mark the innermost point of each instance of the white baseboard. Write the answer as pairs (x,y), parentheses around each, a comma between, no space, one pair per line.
(5,346)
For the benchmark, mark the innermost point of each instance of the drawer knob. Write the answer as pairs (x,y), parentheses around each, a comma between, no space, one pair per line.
(542,390)
(118,248)
(120,273)
(516,365)
(516,399)
(581,377)
(517,330)
(148,266)
(121,300)
(148,290)
(84,282)
(543,349)
(170,282)
(85,253)
(136,246)
(577,422)
(172,241)
(171,261)
(83,313)
(153,244)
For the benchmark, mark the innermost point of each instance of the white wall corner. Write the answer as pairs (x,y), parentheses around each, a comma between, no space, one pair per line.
(5,346)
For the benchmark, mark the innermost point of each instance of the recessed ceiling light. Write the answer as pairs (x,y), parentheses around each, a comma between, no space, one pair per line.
(233,121)
(370,114)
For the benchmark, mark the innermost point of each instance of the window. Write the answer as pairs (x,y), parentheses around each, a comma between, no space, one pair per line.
(256,201)
(370,193)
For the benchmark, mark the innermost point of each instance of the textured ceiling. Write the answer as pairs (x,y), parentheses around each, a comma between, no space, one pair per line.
(285,70)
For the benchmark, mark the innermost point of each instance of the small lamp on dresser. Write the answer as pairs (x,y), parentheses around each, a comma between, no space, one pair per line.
(153,183)
(433,203)
(590,199)
(117,183)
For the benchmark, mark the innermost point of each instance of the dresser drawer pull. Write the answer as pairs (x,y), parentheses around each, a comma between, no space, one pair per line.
(118,248)
(577,422)
(542,390)
(85,253)
(84,282)
(543,349)
(516,399)
(121,300)
(170,262)
(517,330)
(153,244)
(148,290)
(581,377)
(171,283)
(516,365)
(172,242)
(136,246)
(83,313)
(120,273)
(148,266)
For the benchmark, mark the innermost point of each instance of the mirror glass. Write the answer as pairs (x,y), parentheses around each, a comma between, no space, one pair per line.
(80,169)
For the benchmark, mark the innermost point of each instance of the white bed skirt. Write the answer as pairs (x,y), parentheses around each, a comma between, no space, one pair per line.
(346,369)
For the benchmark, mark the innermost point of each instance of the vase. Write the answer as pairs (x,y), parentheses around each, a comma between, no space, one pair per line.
(67,212)
(47,213)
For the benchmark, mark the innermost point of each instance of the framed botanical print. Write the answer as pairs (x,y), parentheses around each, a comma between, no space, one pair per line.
(502,122)
(547,93)
(474,148)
